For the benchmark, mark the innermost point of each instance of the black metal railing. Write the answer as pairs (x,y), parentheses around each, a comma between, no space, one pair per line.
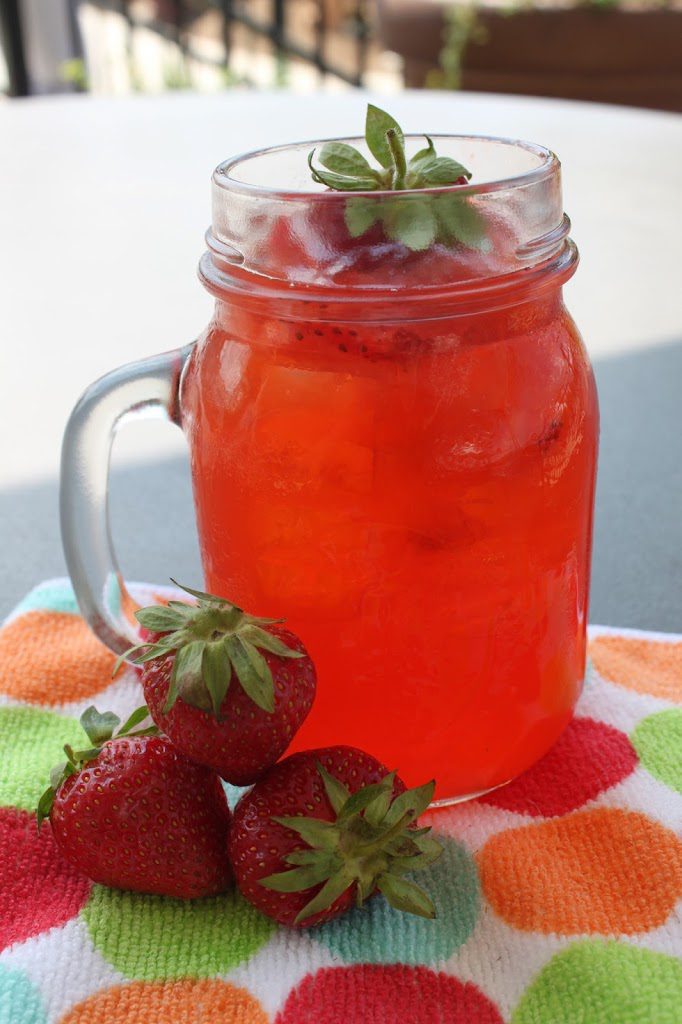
(14,49)
(175,25)
(277,32)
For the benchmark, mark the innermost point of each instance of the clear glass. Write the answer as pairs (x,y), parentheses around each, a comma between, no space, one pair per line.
(393,448)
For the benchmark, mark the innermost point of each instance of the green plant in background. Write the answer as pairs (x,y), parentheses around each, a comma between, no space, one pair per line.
(230,78)
(462,26)
(282,68)
(74,72)
(176,76)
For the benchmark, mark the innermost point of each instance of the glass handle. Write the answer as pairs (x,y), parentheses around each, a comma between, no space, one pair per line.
(148,388)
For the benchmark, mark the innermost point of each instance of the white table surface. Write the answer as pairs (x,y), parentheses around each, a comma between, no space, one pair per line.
(103,205)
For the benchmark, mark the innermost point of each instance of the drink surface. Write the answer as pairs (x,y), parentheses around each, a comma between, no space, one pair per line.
(416,499)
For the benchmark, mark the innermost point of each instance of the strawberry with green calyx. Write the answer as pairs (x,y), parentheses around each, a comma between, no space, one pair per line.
(131,812)
(326,829)
(416,221)
(99,727)
(228,688)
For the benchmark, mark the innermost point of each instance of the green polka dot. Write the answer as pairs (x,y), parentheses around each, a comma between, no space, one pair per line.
(52,597)
(153,938)
(31,744)
(20,1003)
(602,982)
(658,741)
(376,933)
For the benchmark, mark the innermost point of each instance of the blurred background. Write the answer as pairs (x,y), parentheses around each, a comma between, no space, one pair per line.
(614,51)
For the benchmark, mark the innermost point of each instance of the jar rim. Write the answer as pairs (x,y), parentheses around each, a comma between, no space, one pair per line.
(548,165)
(388,304)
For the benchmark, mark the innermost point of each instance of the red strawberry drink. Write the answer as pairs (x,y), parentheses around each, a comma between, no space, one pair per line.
(392,425)
(393,443)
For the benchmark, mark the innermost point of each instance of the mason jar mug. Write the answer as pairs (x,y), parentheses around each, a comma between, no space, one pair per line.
(392,445)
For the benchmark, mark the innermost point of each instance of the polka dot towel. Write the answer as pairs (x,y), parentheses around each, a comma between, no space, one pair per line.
(558,896)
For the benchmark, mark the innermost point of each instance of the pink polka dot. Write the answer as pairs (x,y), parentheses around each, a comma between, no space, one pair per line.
(392,994)
(588,758)
(38,889)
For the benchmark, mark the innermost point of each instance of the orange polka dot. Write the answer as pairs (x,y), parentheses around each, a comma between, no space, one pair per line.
(647,666)
(605,871)
(51,658)
(128,608)
(173,1002)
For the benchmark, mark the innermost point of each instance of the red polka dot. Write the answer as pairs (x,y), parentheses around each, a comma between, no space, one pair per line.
(38,889)
(392,994)
(588,758)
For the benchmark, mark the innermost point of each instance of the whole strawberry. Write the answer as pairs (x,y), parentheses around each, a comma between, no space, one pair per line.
(229,689)
(132,812)
(325,829)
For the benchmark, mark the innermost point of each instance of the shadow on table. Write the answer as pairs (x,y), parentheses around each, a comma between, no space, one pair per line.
(637,564)
(638,529)
(151,543)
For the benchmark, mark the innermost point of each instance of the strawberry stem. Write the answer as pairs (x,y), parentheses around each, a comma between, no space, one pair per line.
(211,641)
(397,148)
(371,840)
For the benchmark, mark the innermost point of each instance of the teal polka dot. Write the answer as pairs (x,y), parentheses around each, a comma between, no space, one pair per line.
(53,597)
(233,793)
(376,933)
(602,982)
(20,1003)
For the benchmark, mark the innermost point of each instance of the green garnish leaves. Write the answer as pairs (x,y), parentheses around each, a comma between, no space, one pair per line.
(371,843)
(440,170)
(344,168)
(344,159)
(361,214)
(412,221)
(343,182)
(416,221)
